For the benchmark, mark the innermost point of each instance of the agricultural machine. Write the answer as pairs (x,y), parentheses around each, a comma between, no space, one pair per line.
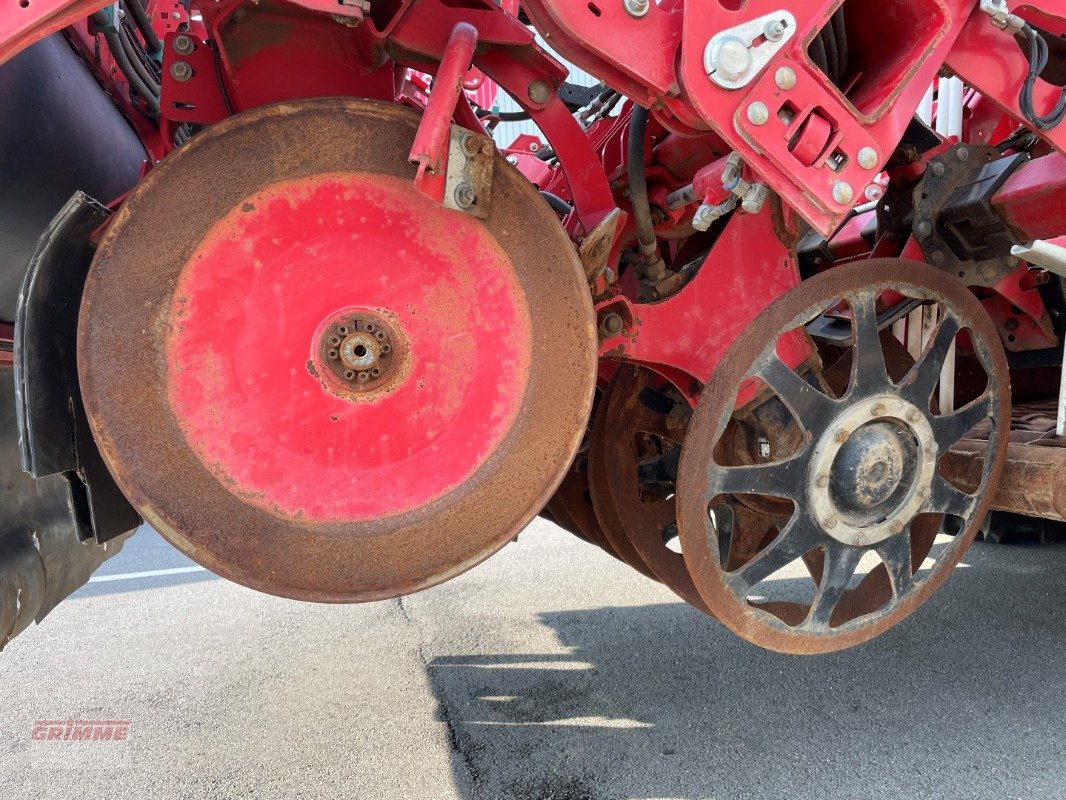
(782,295)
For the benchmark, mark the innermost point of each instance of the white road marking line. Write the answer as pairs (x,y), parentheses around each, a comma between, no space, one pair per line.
(129,576)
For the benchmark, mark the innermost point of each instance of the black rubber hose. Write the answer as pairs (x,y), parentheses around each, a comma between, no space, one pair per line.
(559,206)
(115,45)
(144,25)
(134,54)
(638,181)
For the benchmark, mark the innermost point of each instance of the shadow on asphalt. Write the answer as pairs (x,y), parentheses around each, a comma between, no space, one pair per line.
(660,702)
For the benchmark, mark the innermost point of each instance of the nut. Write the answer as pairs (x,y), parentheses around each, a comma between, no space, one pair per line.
(775,30)
(464,195)
(180,71)
(636,8)
(183,44)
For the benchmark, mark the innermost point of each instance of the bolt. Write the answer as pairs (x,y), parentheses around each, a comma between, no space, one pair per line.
(636,8)
(471,144)
(938,257)
(180,71)
(732,58)
(923,492)
(775,30)
(913,415)
(464,195)
(989,274)
(612,324)
(938,169)
(868,158)
(962,154)
(362,377)
(897,526)
(822,482)
(183,44)
(842,436)
(830,523)
(758,113)
(785,78)
(925,227)
(843,193)
(930,448)
(539,92)
(878,410)
(512,160)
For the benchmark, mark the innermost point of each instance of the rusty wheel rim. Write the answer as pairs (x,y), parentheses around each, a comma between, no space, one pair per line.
(899,528)
(484,444)
(635,452)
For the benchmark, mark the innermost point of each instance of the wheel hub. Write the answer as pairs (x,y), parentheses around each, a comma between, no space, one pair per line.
(361,351)
(872,470)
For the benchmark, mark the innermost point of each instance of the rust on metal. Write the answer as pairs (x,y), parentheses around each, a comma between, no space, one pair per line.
(872,606)
(138,343)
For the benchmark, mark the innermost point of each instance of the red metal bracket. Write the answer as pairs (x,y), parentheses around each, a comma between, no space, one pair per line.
(430,148)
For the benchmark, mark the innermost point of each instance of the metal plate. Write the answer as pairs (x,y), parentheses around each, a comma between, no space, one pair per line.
(201,359)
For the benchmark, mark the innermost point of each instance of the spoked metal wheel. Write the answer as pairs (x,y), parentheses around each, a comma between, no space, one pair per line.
(316,381)
(865,482)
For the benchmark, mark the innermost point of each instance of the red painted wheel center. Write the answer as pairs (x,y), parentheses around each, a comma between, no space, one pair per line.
(340,348)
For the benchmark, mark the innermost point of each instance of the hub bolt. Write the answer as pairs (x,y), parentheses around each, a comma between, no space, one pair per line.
(897,526)
(878,410)
(636,8)
(842,436)
(822,482)
(831,523)
(913,415)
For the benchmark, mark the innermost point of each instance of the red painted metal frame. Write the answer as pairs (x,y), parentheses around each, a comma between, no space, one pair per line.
(988,59)
(430,147)
(684,337)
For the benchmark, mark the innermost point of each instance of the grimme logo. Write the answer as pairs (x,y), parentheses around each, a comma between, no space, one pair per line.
(81,730)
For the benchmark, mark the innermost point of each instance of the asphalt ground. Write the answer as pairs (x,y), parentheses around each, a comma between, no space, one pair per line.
(551,671)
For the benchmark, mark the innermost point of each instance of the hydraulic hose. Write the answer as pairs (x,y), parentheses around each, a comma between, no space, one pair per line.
(638,191)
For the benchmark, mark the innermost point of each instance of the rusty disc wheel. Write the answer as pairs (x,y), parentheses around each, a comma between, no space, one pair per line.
(866,484)
(634,456)
(316,381)
(601,492)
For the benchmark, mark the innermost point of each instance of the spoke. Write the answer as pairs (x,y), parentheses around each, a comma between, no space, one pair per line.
(946,499)
(808,405)
(896,553)
(949,428)
(868,366)
(924,375)
(776,479)
(840,564)
(798,537)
